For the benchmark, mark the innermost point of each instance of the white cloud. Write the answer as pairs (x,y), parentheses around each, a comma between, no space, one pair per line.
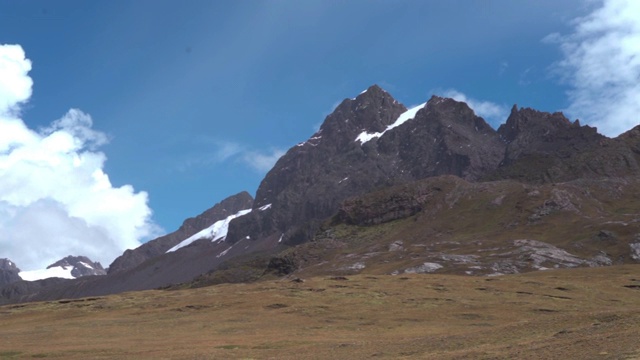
(262,162)
(215,151)
(15,85)
(55,199)
(493,113)
(601,63)
(225,150)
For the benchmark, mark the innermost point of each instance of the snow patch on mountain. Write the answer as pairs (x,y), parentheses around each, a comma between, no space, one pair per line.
(56,271)
(85,265)
(217,231)
(404,117)
(265,207)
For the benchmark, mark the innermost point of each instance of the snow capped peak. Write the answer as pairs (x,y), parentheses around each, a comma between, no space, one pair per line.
(70,267)
(404,117)
(216,232)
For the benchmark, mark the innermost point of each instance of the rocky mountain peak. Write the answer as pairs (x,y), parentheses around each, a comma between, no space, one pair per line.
(82,266)
(457,113)
(8,272)
(547,147)
(8,265)
(533,123)
(368,142)
(373,110)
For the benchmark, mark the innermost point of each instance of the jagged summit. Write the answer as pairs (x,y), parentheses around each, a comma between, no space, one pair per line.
(368,142)
(8,265)
(373,110)
(547,147)
(8,272)
(534,123)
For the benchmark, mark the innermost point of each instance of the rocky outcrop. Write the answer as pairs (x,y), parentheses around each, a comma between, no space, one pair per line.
(396,202)
(159,246)
(8,272)
(547,147)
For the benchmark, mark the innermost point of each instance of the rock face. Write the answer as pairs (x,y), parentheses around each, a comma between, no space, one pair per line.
(8,272)
(82,266)
(478,228)
(544,147)
(308,183)
(159,246)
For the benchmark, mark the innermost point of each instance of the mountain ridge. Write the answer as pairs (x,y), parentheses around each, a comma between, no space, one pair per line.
(443,139)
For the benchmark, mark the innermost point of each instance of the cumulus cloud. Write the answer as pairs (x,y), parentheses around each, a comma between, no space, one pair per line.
(15,87)
(55,199)
(601,64)
(493,113)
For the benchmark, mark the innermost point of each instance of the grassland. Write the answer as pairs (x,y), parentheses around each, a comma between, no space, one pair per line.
(587,313)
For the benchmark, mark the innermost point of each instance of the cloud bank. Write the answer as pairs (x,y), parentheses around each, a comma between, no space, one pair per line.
(493,113)
(55,199)
(601,64)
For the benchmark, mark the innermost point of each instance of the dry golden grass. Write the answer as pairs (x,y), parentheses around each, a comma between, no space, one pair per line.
(563,314)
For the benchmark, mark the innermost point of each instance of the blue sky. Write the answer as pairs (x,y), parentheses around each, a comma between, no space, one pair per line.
(198,98)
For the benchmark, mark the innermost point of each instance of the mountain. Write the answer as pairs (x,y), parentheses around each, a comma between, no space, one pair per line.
(16,284)
(544,147)
(159,246)
(81,266)
(383,189)
(8,272)
(149,266)
(367,143)
(70,267)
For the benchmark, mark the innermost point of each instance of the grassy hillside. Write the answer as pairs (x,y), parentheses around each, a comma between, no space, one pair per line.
(586,313)
(457,227)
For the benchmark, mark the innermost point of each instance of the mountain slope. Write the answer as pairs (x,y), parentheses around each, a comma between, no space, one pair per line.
(307,184)
(448,225)
(159,246)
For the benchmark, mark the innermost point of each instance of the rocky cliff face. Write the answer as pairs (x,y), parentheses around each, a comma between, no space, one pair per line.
(8,272)
(307,184)
(445,224)
(159,246)
(544,147)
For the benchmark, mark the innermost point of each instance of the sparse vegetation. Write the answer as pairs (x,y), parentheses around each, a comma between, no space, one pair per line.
(587,313)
